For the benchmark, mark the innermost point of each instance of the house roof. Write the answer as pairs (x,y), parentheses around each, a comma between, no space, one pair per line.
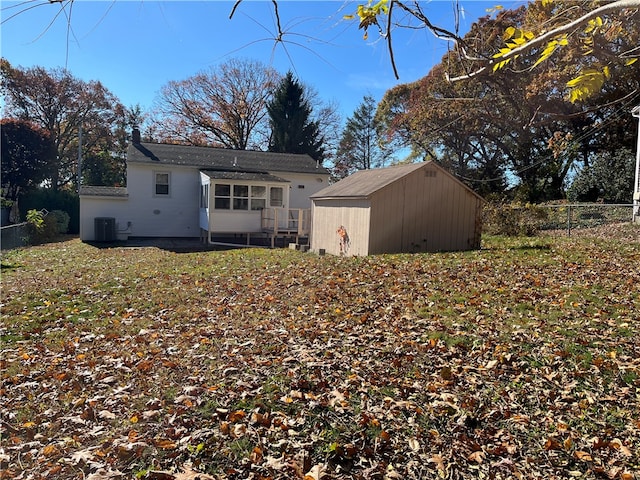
(95,191)
(245,176)
(364,183)
(222,159)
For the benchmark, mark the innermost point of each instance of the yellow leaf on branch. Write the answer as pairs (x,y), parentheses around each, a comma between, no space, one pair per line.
(589,82)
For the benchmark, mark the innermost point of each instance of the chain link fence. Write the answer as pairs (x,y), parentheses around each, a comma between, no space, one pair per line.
(14,236)
(579,216)
(514,219)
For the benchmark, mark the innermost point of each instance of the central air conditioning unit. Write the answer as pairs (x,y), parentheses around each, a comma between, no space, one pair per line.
(105,229)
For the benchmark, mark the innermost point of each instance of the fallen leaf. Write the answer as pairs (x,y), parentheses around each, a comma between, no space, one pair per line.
(477,457)
(165,444)
(317,472)
(584,456)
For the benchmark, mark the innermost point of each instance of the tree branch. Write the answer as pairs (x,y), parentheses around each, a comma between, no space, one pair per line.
(610,7)
(391,56)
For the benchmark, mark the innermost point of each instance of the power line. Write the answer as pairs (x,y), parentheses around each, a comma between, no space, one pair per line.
(622,110)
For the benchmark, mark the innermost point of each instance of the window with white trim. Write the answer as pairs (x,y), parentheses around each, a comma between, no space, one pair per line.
(276,194)
(245,197)
(258,197)
(162,182)
(241,197)
(222,196)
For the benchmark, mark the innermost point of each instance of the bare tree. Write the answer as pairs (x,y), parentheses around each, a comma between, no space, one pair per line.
(223,106)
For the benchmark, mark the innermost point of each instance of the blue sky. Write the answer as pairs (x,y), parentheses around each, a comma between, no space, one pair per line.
(134,47)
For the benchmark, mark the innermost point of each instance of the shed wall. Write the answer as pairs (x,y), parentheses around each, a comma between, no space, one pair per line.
(426,211)
(330,214)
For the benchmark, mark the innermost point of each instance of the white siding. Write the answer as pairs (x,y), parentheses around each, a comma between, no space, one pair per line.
(175,215)
(302,186)
(99,207)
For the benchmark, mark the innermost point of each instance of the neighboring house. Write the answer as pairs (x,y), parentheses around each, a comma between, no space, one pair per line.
(417,207)
(186,191)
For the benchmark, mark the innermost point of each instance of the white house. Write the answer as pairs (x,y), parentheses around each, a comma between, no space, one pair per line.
(186,191)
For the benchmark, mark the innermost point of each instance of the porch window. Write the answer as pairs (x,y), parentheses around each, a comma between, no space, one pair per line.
(275,196)
(204,195)
(222,196)
(240,197)
(258,197)
(245,197)
(162,183)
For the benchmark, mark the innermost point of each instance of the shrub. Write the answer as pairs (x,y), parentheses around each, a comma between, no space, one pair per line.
(44,227)
(45,198)
(62,220)
(512,219)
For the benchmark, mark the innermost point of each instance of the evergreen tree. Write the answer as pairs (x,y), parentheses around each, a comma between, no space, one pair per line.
(292,130)
(359,147)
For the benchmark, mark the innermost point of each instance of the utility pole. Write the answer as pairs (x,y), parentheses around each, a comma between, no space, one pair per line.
(79,156)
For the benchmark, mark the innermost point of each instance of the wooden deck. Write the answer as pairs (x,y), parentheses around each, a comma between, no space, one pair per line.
(286,222)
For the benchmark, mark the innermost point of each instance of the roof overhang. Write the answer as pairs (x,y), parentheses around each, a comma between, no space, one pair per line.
(106,192)
(340,197)
(243,176)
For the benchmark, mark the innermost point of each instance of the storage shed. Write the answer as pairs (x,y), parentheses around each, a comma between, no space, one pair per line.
(417,207)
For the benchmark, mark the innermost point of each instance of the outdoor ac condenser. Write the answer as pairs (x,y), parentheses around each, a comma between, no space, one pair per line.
(105,229)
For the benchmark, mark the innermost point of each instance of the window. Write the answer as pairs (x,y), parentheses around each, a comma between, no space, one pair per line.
(258,197)
(275,196)
(162,183)
(245,197)
(240,197)
(222,196)
(204,196)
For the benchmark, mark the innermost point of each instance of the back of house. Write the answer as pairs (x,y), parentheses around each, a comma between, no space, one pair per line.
(188,191)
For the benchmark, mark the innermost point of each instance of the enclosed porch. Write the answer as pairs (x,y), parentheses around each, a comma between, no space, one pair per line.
(250,208)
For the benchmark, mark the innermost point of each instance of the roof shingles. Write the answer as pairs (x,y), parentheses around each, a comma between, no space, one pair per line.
(222,159)
(98,191)
(363,183)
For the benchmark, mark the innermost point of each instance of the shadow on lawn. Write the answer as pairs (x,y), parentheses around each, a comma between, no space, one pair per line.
(175,245)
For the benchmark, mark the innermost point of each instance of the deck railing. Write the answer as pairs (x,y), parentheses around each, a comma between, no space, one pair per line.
(286,221)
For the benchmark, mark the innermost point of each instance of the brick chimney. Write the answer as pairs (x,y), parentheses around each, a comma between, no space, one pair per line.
(135,135)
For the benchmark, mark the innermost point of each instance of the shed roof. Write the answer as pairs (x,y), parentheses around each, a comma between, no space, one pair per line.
(222,159)
(363,183)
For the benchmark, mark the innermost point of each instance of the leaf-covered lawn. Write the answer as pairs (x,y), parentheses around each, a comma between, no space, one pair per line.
(521,360)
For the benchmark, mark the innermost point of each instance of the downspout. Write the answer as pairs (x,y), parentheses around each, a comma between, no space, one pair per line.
(636,184)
